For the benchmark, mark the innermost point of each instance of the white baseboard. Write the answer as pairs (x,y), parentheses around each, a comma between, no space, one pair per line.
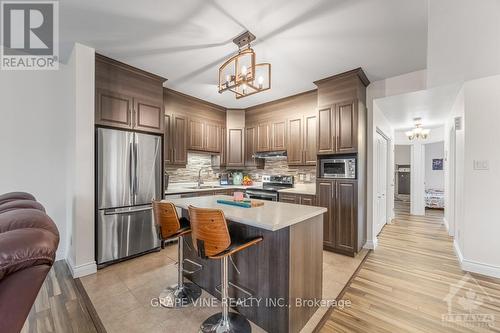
(475,267)
(371,244)
(81,270)
(445,221)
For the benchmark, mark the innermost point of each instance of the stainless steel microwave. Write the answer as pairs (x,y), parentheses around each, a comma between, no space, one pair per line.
(338,168)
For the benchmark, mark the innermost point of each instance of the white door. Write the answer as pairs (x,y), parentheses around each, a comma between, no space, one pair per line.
(381,183)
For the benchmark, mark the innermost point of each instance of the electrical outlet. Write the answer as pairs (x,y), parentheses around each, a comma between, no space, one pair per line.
(308,177)
(481,165)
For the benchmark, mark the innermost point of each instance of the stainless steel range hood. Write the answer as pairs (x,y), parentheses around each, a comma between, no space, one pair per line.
(271,154)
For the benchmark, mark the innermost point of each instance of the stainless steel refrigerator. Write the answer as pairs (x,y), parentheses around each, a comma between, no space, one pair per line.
(128,179)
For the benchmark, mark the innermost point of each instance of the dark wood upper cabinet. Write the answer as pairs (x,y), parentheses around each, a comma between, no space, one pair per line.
(236,156)
(113,109)
(196,134)
(167,141)
(264,137)
(326,129)
(346,216)
(223,147)
(325,191)
(295,150)
(148,116)
(347,127)
(179,139)
(127,97)
(212,137)
(250,145)
(310,140)
(278,131)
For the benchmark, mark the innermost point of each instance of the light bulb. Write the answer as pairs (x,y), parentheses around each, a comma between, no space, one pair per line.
(244,70)
(228,78)
(244,87)
(261,81)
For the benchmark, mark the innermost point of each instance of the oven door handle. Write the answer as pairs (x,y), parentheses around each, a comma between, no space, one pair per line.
(260,194)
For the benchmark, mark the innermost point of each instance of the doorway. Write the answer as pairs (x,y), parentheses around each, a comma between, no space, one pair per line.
(381,181)
(434,176)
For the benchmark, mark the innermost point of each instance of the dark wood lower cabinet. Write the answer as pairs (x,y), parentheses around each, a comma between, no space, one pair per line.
(299,199)
(340,225)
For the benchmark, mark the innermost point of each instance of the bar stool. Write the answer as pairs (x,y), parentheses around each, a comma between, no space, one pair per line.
(169,226)
(211,240)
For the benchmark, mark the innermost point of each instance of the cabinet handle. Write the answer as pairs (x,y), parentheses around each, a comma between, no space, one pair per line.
(336,191)
(332,190)
(337,143)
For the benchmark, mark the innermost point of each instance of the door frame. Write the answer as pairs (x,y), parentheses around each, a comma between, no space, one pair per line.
(389,180)
(452,181)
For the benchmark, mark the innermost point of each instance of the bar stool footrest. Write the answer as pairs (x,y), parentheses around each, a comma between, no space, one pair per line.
(198,267)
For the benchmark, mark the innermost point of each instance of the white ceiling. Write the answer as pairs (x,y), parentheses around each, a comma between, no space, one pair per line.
(186,41)
(432,105)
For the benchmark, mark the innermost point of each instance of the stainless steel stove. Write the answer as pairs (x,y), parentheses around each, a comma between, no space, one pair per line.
(270,187)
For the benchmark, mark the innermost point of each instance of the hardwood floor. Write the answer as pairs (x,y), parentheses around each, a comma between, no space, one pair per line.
(59,306)
(404,285)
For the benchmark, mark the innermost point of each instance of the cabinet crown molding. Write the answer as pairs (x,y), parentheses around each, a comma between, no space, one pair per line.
(119,64)
(358,71)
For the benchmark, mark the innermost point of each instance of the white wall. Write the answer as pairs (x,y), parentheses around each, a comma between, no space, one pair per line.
(480,244)
(46,140)
(434,179)
(401,84)
(81,234)
(463,41)
(402,155)
(35,109)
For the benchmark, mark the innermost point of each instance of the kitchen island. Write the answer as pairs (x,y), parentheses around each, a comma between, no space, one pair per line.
(276,281)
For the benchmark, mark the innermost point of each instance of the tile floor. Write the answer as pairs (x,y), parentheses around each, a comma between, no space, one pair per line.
(122,294)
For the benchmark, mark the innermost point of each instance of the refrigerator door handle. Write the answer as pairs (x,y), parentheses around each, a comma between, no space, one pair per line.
(126,210)
(131,168)
(136,179)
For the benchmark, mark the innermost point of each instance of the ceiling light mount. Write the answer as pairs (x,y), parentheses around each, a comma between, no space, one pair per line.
(418,132)
(240,74)
(244,39)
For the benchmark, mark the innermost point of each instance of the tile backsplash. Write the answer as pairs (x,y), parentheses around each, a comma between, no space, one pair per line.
(302,174)
(189,173)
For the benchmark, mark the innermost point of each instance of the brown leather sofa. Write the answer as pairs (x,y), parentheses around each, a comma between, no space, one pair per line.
(28,244)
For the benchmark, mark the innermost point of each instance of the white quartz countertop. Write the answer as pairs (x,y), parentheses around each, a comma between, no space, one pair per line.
(271,216)
(309,189)
(179,188)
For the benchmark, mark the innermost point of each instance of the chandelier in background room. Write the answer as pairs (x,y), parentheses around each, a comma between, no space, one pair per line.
(418,132)
(240,74)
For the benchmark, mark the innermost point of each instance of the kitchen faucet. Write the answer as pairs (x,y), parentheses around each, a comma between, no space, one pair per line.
(200,180)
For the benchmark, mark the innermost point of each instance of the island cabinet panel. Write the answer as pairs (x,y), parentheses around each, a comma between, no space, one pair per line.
(236,155)
(278,131)
(346,216)
(326,128)
(310,140)
(347,127)
(295,149)
(326,198)
(263,137)
(285,266)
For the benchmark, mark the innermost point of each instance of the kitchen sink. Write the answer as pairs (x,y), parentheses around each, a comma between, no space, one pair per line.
(204,187)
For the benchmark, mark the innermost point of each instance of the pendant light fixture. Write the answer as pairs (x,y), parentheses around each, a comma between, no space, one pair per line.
(418,132)
(240,74)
